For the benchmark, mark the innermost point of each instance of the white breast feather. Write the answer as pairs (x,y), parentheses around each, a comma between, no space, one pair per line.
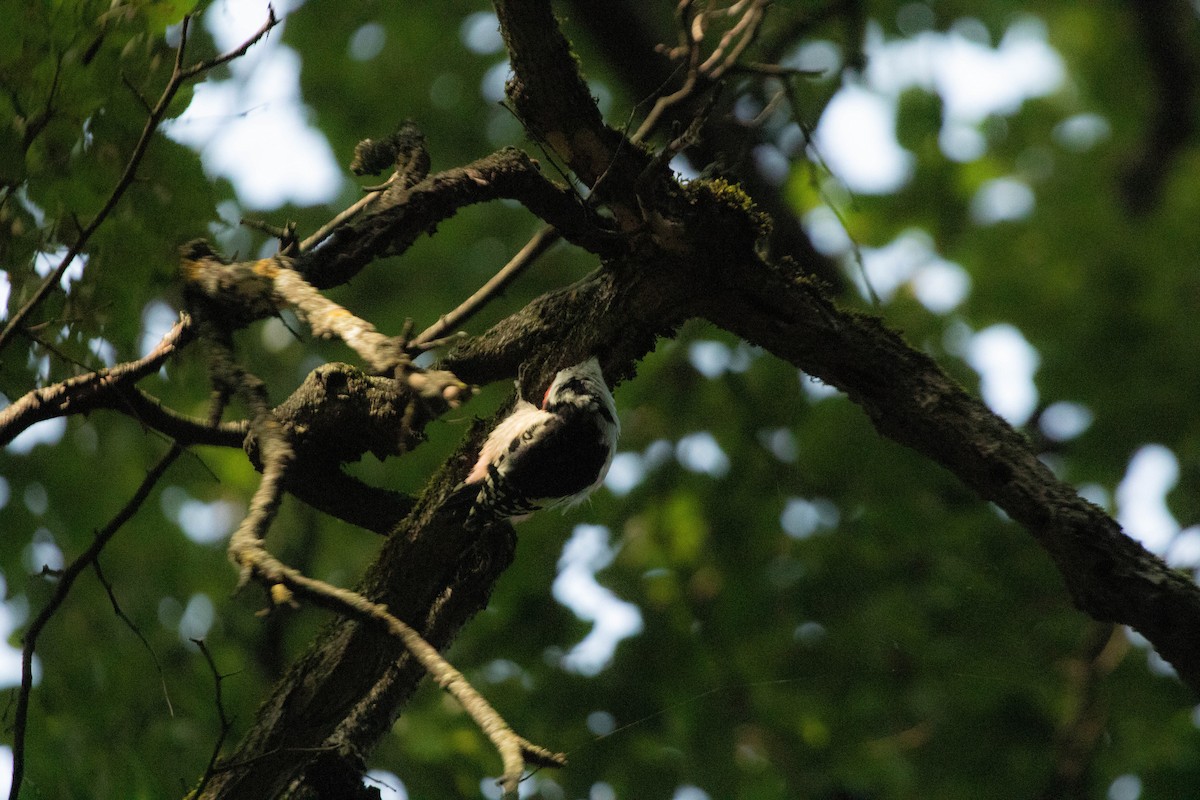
(524,415)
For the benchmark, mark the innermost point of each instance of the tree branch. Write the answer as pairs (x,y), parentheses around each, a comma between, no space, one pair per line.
(89,391)
(393,222)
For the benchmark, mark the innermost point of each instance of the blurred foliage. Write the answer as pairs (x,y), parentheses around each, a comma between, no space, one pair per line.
(826,615)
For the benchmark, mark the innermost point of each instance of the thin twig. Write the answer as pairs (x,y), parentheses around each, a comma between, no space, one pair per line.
(538,244)
(179,76)
(689,43)
(129,623)
(65,581)
(225,722)
(328,228)
(515,751)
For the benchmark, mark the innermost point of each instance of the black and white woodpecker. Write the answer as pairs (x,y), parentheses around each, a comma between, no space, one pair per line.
(555,454)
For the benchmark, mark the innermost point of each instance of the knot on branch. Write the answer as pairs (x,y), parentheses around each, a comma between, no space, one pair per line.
(404,150)
(723,219)
(242,291)
(340,412)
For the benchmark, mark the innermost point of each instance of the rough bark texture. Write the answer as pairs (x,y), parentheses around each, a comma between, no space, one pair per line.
(685,251)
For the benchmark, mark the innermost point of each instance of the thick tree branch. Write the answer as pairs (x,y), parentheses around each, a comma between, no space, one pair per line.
(554,102)
(394,221)
(911,399)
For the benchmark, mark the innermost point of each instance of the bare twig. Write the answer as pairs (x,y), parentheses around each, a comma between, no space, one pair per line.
(329,227)
(515,751)
(689,45)
(222,717)
(65,581)
(151,413)
(538,244)
(179,76)
(82,392)
(112,598)
(724,57)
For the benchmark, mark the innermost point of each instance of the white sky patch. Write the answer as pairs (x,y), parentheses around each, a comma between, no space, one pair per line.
(802,518)
(712,359)
(816,389)
(624,474)
(1006,364)
(781,442)
(1142,497)
(814,56)
(6,768)
(1063,421)
(157,319)
(389,784)
(1002,200)
(586,553)
(253,129)
(682,167)
(491,85)
(104,350)
(1082,132)
(42,552)
(688,792)
(699,452)
(197,619)
(910,259)
(10,661)
(601,723)
(208,523)
(1097,495)
(37,500)
(973,79)
(45,263)
(827,232)
(941,285)
(629,469)
(275,335)
(367,42)
(602,791)
(772,164)
(203,523)
(47,431)
(480,33)
(857,140)
(961,142)
(1125,787)
(1184,552)
(5,293)
(856,133)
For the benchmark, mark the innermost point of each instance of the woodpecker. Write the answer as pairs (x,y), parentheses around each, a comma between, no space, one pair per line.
(544,456)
